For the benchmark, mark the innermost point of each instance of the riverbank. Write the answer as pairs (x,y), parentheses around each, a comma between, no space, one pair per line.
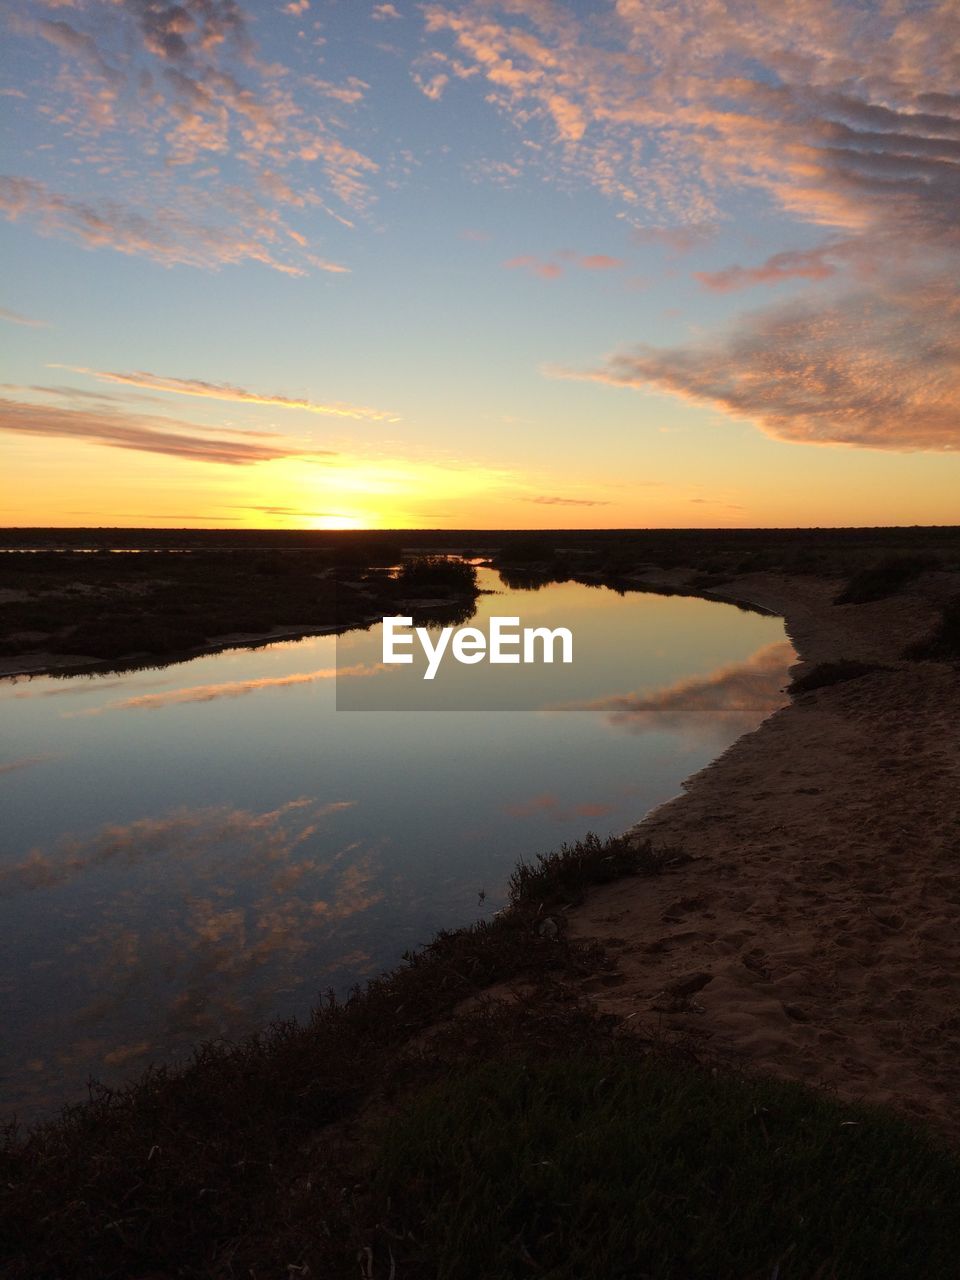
(816,918)
(73,612)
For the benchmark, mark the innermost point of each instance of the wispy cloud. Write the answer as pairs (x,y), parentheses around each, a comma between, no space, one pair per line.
(548,803)
(145,433)
(224,391)
(548,270)
(807,264)
(534,266)
(670,110)
(878,369)
(14,317)
(161,88)
(187,833)
(227,689)
(165,232)
(555,501)
(599,262)
(23,762)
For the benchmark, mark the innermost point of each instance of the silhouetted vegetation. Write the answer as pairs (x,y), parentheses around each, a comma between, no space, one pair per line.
(123,608)
(564,876)
(608,1164)
(944,644)
(828,673)
(885,579)
(425,574)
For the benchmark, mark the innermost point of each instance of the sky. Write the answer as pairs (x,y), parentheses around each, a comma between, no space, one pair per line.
(480,263)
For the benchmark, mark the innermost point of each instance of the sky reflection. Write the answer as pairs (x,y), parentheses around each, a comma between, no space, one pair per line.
(198,871)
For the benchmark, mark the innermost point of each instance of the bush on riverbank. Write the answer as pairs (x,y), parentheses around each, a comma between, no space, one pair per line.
(885,578)
(426,574)
(944,644)
(825,674)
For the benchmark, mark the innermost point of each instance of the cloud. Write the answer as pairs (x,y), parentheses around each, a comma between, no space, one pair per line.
(808,264)
(877,369)
(145,434)
(166,86)
(534,266)
(553,501)
(14,317)
(166,234)
(384,12)
(224,391)
(551,270)
(296,511)
(23,762)
(599,262)
(741,693)
(187,833)
(228,689)
(547,802)
(679,239)
(821,113)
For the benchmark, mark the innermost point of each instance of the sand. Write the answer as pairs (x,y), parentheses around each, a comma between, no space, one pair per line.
(815,934)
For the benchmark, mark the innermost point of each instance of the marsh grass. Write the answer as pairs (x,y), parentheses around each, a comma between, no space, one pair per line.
(885,578)
(612,1165)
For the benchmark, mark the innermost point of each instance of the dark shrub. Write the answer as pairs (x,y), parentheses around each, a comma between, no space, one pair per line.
(827,673)
(885,578)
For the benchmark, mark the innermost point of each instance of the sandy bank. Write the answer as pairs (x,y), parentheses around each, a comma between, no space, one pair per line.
(819,921)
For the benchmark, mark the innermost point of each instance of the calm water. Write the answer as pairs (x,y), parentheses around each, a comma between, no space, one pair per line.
(193,851)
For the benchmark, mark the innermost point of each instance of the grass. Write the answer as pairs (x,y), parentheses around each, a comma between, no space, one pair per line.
(563,878)
(602,1167)
(944,644)
(825,674)
(886,578)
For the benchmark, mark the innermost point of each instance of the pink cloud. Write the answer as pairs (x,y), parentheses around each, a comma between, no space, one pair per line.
(535,266)
(145,433)
(878,370)
(600,262)
(808,264)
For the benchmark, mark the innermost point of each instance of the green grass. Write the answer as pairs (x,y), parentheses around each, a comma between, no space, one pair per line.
(609,1168)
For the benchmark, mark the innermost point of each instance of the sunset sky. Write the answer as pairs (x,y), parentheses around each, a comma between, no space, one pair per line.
(333,263)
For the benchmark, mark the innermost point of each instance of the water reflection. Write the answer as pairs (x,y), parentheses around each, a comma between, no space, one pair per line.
(743,694)
(200,870)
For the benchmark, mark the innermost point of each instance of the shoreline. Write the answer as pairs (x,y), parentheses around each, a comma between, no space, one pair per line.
(817,908)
